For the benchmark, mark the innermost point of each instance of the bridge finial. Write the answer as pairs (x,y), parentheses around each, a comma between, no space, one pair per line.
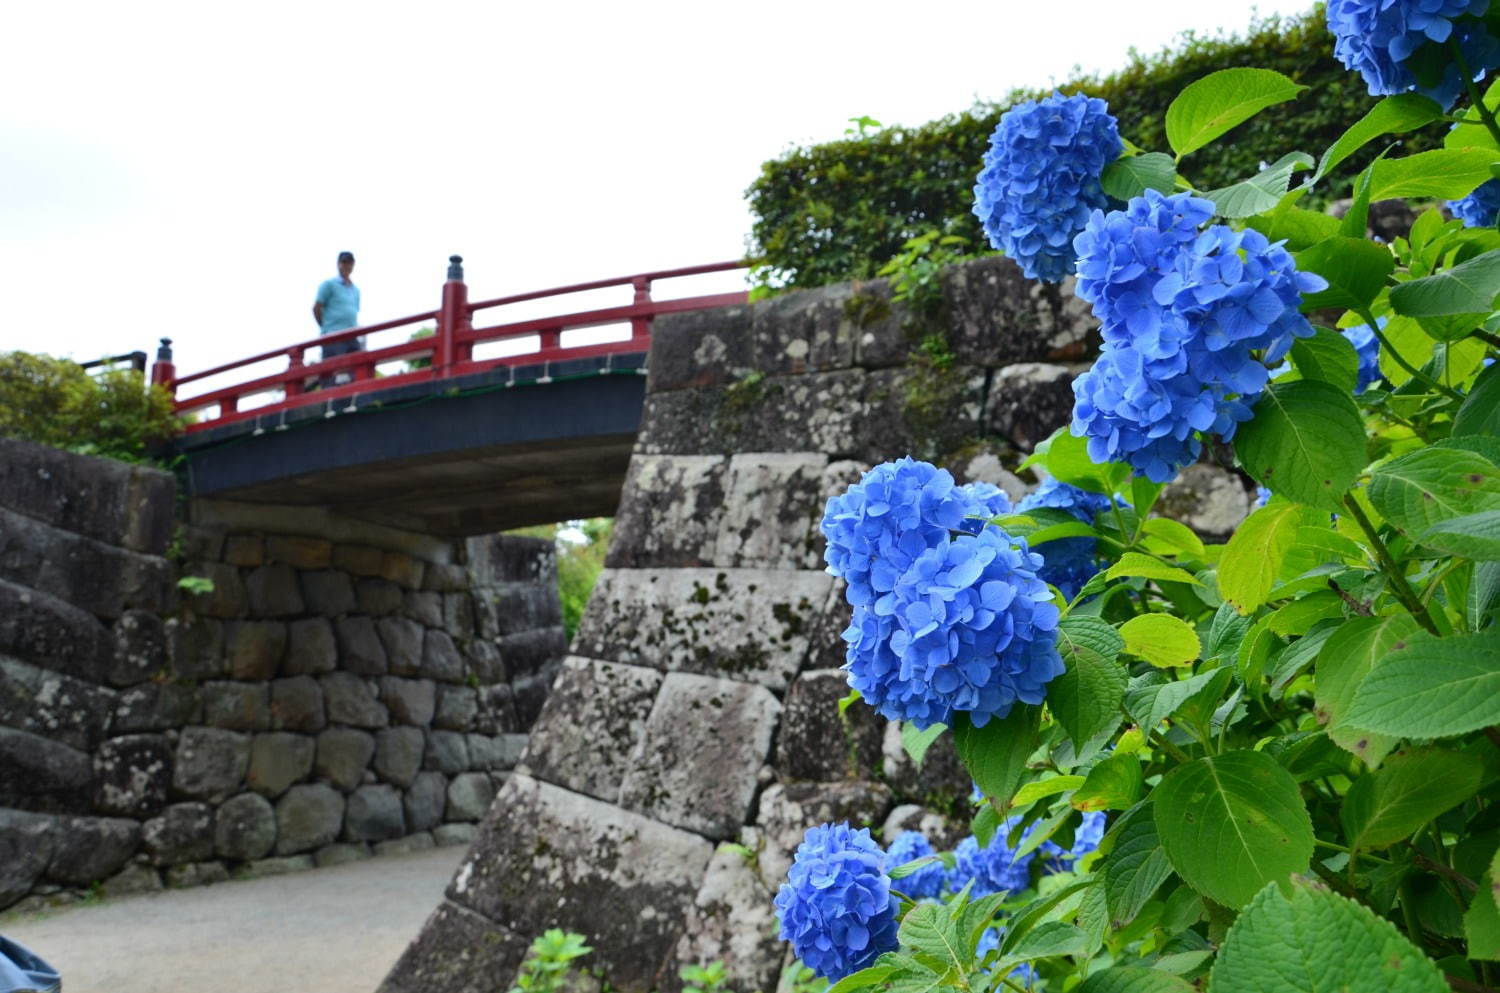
(164,352)
(456,267)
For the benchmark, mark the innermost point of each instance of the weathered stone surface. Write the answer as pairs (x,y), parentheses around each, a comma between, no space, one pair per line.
(445,577)
(457,707)
(817,742)
(402,569)
(45,631)
(528,652)
(40,774)
(733,920)
(130,881)
(922,410)
(440,659)
(244,827)
(279,866)
(826,648)
(495,752)
(358,560)
(702,348)
(419,842)
(374,813)
(311,648)
(277,760)
(341,854)
(401,638)
(786,811)
(297,705)
(424,608)
(117,503)
(410,701)
(195,874)
(1210,500)
(156,707)
(469,796)
(509,558)
(140,648)
(377,597)
(89,849)
(458,951)
(308,816)
(300,552)
(196,542)
(55,706)
(772,505)
(183,833)
(486,663)
(351,700)
(343,755)
(748,624)
(531,694)
(998,317)
(273,591)
(328,592)
(545,854)
(458,615)
(802,332)
(612,701)
(254,649)
(454,834)
(941,776)
(447,752)
(944,832)
(245,550)
(398,754)
(228,598)
(26,844)
(669,512)
(210,763)
(704,743)
(819,411)
(360,650)
(497,711)
(486,616)
(425,800)
(195,648)
(133,775)
(1028,401)
(237,706)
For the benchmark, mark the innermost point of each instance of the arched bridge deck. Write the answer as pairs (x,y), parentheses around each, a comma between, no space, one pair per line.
(449,444)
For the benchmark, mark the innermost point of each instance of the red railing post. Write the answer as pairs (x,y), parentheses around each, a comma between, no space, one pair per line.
(164,372)
(640,327)
(294,371)
(453,317)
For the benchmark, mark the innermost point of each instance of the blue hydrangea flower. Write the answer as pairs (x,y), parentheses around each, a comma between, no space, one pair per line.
(1376,38)
(836,906)
(1367,346)
(926,881)
(1041,179)
(1478,209)
(1191,319)
(1262,497)
(1067,563)
(994,869)
(1086,838)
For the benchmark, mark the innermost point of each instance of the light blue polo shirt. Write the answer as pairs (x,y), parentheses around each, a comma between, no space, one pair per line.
(340,305)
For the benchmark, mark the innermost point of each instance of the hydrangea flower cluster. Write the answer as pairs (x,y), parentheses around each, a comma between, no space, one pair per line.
(926,882)
(1367,346)
(1377,38)
(1480,208)
(1041,179)
(1086,839)
(1067,563)
(993,869)
(836,906)
(949,614)
(1190,318)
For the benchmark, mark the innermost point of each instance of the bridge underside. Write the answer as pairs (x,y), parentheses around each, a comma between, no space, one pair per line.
(487,453)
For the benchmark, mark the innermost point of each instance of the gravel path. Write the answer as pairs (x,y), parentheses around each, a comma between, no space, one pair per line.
(335,930)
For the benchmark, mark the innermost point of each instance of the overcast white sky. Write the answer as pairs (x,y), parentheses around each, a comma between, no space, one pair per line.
(192,170)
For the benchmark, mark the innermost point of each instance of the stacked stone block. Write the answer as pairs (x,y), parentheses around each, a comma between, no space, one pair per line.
(323,702)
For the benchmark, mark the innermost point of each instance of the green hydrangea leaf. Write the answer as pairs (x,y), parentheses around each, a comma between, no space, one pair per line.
(1131,175)
(1480,413)
(1260,192)
(1467,288)
(1312,941)
(995,755)
(1252,560)
(916,742)
(1231,823)
(1135,867)
(1114,784)
(1444,173)
(1392,115)
(1086,698)
(1208,107)
(1327,356)
(1432,687)
(1346,659)
(1134,979)
(1473,536)
(1161,639)
(1433,485)
(1410,789)
(1146,567)
(1306,442)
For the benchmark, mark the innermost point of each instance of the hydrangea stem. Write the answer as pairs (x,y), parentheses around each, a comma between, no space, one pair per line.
(1399,585)
(1485,114)
(1415,373)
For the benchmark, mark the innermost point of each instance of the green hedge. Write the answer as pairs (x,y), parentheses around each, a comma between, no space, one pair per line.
(839,211)
(55,402)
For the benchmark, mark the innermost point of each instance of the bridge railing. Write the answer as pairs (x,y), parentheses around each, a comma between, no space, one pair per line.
(448,352)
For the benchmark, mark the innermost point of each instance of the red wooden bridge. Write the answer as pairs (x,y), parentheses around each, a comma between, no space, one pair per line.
(447,354)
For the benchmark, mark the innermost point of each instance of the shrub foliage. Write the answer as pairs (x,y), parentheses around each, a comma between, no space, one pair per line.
(56,402)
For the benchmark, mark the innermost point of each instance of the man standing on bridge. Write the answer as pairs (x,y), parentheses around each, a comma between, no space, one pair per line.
(336,308)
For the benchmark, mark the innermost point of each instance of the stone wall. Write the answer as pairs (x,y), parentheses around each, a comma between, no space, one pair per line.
(699,705)
(343,690)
